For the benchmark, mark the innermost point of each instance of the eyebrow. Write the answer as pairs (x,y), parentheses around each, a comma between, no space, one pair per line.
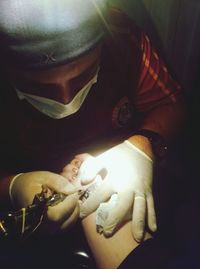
(89,71)
(44,86)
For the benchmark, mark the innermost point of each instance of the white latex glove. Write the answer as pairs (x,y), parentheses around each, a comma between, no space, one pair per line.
(59,217)
(129,175)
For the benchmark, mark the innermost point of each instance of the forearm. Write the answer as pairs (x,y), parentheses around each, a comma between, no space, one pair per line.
(166,120)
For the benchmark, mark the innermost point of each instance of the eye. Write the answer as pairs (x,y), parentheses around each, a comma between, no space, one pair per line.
(84,78)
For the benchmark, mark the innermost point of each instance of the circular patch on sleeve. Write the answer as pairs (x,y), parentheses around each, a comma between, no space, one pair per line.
(122,114)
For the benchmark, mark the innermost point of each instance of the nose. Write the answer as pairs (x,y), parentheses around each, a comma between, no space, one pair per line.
(62,93)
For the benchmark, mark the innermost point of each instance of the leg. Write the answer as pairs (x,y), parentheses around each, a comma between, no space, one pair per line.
(109,252)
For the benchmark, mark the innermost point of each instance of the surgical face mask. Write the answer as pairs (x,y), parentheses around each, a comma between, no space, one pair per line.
(54,109)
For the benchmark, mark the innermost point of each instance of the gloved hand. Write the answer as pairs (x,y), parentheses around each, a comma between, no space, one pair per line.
(129,175)
(58,217)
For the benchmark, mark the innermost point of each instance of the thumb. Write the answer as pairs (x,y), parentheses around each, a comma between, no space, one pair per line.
(61,185)
(119,208)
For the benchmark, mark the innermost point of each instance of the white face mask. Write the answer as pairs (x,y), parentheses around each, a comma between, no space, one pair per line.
(54,109)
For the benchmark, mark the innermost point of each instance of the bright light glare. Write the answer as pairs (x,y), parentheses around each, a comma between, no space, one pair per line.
(101,16)
(118,165)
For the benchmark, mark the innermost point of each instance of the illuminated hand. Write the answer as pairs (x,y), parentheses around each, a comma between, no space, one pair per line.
(58,217)
(129,175)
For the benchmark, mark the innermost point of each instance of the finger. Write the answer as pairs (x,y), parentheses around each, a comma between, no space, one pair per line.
(138,220)
(71,219)
(71,177)
(70,173)
(60,184)
(70,168)
(151,215)
(90,188)
(82,157)
(118,213)
(88,170)
(101,194)
(63,210)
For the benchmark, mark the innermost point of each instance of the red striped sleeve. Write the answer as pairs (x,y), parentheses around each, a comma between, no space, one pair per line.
(155,83)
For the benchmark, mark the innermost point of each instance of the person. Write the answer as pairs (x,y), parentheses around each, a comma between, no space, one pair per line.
(82,77)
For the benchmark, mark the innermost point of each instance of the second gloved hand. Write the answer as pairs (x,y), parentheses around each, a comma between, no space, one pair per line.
(129,175)
(58,217)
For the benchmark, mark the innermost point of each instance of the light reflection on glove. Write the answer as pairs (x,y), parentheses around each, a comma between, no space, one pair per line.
(129,174)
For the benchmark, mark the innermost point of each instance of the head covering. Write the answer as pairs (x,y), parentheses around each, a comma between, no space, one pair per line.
(38,34)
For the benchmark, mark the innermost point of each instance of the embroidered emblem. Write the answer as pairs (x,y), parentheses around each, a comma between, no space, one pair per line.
(48,58)
(122,113)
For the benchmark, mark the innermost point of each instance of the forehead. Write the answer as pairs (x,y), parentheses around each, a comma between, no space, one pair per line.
(69,70)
